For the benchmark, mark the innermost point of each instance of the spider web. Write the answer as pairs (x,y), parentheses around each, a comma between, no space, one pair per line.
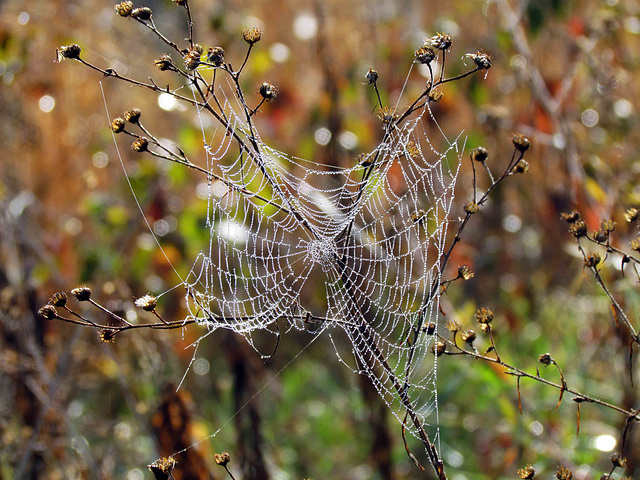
(367,241)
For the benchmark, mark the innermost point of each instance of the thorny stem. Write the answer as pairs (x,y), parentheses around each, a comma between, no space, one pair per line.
(616,305)
(517,372)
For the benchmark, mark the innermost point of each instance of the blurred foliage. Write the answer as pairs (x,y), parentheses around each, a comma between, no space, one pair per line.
(72,407)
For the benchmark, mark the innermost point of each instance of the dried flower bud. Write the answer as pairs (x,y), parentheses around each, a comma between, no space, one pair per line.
(527,472)
(484,315)
(142,13)
(631,214)
(572,217)
(117,125)
(58,299)
(439,348)
(147,303)
(578,229)
(521,167)
(140,144)
(197,48)
(418,217)
(222,459)
(371,76)
(546,359)
(164,63)
(521,142)
(70,51)
(268,91)
(564,474)
(472,207)
(592,260)
(162,467)
(436,95)
(82,294)
(124,9)
(429,328)
(479,154)
(107,336)
(133,115)
(424,55)
(468,336)
(441,41)
(215,56)
(465,273)
(635,244)
(482,60)
(618,461)
(251,35)
(48,311)
(608,225)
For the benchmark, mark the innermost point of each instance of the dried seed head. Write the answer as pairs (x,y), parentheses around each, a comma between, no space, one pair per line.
(117,125)
(124,9)
(572,217)
(527,472)
(468,336)
(439,348)
(453,326)
(251,35)
(48,311)
(479,154)
(608,225)
(148,303)
(424,55)
(418,217)
(631,214)
(521,167)
(465,273)
(215,56)
(429,328)
(197,48)
(635,244)
(592,260)
(484,316)
(164,63)
(578,229)
(472,207)
(268,91)
(482,60)
(58,299)
(82,294)
(601,236)
(192,60)
(521,142)
(140,144)
(388,115)
(162,467)
(371,76)
(436,95)
(107,336)
(142,13)
(441,41)
(222,458)
(564,474)
(546,359)
(364,160)
(618,461)
(70,51)
(133,115)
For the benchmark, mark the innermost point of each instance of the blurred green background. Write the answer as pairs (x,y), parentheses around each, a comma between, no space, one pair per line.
(564,74)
